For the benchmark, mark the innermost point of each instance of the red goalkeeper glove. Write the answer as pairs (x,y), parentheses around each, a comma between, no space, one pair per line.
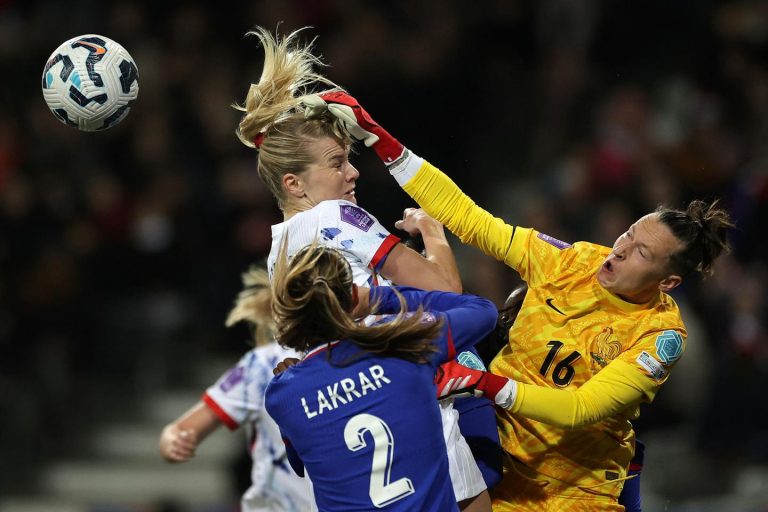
(357,122)
(454,379)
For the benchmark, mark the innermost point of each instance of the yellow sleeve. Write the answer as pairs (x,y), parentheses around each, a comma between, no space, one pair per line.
(442,199)
(615,388)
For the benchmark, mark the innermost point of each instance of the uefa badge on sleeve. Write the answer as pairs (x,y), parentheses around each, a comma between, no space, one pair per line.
(669,346)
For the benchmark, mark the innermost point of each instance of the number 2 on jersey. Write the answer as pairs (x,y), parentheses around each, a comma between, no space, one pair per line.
(382,491)
(564,371)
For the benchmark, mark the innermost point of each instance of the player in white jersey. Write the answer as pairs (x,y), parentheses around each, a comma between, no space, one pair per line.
(237,400)
(303,159)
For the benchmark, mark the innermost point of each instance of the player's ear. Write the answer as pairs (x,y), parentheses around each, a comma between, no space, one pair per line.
(670,282)
(293,185)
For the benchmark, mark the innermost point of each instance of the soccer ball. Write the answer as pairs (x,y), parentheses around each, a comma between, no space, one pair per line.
(90,82)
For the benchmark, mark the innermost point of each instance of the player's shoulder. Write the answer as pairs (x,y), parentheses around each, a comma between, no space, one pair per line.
(568,259)
(346,212)
(336,207)
(273,349)
(589,251)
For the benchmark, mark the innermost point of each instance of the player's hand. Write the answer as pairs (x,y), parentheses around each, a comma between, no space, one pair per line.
(454,380)
(177,445)
(415,221)
(357,122)
(284,365)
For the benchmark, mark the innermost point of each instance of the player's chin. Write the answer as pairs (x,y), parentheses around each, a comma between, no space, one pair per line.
(606,278)
(351,197)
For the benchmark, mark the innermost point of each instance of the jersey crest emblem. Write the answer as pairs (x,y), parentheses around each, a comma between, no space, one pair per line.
(669,346)
(554,241)
(356,216)
(470,360)
(605,348)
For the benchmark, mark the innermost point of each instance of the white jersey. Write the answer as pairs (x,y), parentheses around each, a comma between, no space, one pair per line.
(365,243)
(344,226)
(237,398)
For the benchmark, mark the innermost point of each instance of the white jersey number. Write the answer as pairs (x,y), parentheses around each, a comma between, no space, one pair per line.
(382,491)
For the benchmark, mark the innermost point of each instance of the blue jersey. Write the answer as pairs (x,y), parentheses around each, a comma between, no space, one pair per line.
(369,432)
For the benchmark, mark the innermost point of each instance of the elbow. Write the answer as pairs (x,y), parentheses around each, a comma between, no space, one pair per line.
(488,314)
(584,417)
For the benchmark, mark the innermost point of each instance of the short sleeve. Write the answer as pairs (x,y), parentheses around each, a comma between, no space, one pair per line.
(354,231)
(237,396)
(536,256)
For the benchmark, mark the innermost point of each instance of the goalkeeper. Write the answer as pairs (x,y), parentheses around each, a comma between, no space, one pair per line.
(598,333)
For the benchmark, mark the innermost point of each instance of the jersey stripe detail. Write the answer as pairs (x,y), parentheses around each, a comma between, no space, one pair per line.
(386,246)
(221,413)
(449,342)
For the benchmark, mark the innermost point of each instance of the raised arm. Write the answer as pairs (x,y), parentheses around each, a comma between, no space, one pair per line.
(436,270)
(435,192)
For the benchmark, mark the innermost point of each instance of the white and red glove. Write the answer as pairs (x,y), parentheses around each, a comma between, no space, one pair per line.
(453,379)
(357,122)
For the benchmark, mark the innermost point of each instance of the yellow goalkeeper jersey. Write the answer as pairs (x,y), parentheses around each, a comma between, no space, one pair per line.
(568,330)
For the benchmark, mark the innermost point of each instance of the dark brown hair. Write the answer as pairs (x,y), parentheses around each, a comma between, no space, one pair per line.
(702,228)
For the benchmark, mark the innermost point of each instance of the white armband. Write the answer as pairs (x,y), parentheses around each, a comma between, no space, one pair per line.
(406,168)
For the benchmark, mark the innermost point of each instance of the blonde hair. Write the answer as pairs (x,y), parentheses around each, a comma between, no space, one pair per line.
(273,107)
(311,304)
(254,306)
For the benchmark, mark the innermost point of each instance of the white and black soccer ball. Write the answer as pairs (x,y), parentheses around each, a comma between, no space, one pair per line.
(90,82)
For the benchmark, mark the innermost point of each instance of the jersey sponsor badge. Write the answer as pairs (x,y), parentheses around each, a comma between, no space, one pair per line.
(651,365)
(554,241)
(234,376)
(470,360)
(356,216)
(669,346)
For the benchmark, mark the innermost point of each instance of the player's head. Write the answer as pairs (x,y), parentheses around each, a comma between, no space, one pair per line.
(663,247)
(313,297)
(254,306)
(302,155)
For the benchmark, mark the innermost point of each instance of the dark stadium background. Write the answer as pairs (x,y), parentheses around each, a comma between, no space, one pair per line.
(120,252)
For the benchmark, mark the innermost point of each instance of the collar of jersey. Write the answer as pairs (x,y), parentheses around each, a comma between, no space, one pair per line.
(318,349)
(624,305)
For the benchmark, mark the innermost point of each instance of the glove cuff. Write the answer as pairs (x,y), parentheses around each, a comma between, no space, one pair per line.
(388,148)
(406,168)
(507,395)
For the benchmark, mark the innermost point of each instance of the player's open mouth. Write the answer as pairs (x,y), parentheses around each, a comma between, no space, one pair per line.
(607,267)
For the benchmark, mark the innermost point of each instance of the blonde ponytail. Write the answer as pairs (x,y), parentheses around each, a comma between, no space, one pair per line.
(274,112)
(254,306)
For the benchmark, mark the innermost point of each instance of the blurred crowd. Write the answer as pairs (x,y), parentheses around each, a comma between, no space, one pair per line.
(121,251)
